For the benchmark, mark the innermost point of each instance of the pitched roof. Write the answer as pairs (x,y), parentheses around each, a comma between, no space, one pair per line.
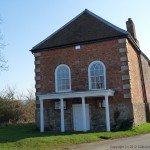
(85,27)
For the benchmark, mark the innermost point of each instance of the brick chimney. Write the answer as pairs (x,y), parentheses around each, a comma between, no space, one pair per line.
(131,29)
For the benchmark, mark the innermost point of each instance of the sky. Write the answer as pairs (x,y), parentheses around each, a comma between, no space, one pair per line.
(28,22)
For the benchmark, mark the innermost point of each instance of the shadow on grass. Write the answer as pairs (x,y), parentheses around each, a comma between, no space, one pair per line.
(13,133)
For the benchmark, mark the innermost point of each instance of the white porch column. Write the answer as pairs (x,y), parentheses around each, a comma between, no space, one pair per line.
(107,113)
(62,115)
(41,116)
(84,114)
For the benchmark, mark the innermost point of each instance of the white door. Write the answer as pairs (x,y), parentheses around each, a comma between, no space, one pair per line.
(78,117)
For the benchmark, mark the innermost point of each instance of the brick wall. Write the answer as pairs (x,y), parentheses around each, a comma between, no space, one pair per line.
(136,86)
(146,73)
(135,77)
(122,75)
(78,60)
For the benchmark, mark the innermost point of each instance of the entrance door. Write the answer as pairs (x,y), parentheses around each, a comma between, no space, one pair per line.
(78,117)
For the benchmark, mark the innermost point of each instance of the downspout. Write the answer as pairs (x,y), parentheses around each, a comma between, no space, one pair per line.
(147,112)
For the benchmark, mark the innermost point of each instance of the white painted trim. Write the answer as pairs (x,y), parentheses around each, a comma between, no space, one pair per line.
(94,93)
(89,76)
(82,94)
(76,117)
(77,47)
(62,115)
(107,113)
(56,87)
(41,116)
(84,114)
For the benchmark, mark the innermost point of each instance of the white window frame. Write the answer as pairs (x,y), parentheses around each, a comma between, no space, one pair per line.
(56,84)
(89,74)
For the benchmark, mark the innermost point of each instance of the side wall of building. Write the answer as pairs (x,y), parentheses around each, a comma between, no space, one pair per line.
(146,74)
(136,86)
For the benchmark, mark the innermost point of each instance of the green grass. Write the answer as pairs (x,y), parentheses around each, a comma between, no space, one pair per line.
(26,137)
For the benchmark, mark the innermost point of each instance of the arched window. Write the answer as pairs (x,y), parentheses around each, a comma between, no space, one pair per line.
(62,78)
(97,75)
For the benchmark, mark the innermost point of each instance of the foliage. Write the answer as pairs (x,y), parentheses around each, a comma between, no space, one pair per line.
(13,109)
(25,136)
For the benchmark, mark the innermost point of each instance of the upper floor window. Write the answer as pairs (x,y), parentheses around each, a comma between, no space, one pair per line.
(62,78)
(96,75)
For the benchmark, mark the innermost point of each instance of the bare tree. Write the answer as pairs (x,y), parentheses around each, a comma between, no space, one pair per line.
(16,107)
(3,62)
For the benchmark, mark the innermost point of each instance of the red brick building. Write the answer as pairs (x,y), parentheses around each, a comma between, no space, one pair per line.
(91,75)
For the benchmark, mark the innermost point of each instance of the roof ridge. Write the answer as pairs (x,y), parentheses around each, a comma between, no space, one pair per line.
(90,13)
(106,22)
(59,29)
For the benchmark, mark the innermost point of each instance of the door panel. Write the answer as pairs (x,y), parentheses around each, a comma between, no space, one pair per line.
(78,118)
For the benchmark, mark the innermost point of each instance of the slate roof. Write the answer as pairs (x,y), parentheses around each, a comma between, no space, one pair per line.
(85,27)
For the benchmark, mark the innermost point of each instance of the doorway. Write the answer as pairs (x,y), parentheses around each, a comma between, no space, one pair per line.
(78,117)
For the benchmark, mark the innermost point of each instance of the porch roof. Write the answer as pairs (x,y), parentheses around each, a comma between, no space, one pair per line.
(91,93)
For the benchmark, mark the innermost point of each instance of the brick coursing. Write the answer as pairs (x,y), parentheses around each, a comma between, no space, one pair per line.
(122,75)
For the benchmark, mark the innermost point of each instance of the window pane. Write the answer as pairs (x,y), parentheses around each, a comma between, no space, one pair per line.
(97,76)
(63,80)
(93,85)
(92,72)
(92,79)
(97,72)
(101,72)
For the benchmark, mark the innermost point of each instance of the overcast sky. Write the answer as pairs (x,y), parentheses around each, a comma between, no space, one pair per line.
(27,22)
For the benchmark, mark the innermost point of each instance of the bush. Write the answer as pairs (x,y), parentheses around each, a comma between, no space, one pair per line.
(16,110)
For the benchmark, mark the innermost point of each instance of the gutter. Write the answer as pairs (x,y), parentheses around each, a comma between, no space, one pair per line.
(77,43)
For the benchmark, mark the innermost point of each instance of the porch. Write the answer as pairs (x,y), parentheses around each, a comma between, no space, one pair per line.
(82,95)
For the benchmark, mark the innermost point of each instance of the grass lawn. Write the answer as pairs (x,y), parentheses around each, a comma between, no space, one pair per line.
(26,137)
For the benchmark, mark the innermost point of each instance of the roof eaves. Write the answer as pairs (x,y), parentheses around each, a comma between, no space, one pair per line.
(106,22)
(58,30)
(81,42)
(137,47)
